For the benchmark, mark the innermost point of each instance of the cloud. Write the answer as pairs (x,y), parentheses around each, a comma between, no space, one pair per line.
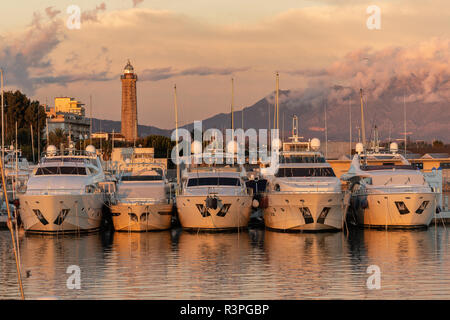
(51,13)
(27,56)
(168,72)
(325,50)
(28,51)
(69,78)
(92,15)
(420,72)
(136,2)
(307,72)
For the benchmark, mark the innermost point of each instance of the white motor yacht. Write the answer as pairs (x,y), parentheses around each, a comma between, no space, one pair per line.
(392,194)
(64,193)
(214,198)
(17,171)
(302,193)
(143,200)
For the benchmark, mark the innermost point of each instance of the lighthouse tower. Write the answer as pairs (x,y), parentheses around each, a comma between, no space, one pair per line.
(129,104)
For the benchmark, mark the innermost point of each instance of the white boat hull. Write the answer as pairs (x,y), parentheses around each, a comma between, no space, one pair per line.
(233,212)
(141,217)
(382,211)
(61,213)
(301,211)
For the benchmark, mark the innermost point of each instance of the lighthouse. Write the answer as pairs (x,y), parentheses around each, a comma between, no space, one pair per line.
(129,125)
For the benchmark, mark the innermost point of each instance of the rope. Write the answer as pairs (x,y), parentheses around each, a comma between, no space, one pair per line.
(19,278)
(17,235)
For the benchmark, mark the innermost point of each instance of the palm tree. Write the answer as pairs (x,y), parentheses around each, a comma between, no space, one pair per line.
(58,137)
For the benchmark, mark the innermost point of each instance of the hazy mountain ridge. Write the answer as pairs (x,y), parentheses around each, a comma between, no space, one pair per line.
(426,121)
(110,125)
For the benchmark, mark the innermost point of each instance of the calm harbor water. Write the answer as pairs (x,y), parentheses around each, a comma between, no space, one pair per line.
(255,264)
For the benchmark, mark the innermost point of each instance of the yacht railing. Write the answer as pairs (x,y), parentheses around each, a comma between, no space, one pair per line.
(400,189)
(68,152)
(141,201)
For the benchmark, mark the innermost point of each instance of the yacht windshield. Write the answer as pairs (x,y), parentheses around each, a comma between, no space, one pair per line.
(61,170)
(305,172)
(141,178)
(213,181)
(302,159)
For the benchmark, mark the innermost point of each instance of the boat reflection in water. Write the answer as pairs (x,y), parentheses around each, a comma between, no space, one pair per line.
(219,265)
(255,264)
(309,266)
(45,260)
(406,257)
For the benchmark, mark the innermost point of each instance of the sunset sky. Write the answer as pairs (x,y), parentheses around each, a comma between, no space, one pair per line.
(200,44)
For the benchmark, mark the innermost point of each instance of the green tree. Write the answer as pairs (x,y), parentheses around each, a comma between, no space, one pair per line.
(438,143)
(162,145)
(58,137)
(27,113)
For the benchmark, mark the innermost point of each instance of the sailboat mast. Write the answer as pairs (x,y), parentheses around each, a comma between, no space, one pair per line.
(232,104)
(3,122)
(17,168)
(176,131)
(90,120)
(277,106)
(46,127)
(32,142)
(363,128)
(404,120)
(326,130)
(350,123)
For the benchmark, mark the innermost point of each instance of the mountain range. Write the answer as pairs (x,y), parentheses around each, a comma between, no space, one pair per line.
(424,121)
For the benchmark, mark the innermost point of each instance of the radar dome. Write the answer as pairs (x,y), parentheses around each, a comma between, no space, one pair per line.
(232,147)
(393,147)
(51,150)
(196,147)
(315,144)
(90,148)
(359,148)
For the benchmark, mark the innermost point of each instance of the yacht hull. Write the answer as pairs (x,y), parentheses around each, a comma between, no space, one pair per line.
(232,212)
(302,211)
(386,210)
(141,217)
(61,213)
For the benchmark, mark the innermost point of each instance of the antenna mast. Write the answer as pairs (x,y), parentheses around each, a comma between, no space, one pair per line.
(350,123)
